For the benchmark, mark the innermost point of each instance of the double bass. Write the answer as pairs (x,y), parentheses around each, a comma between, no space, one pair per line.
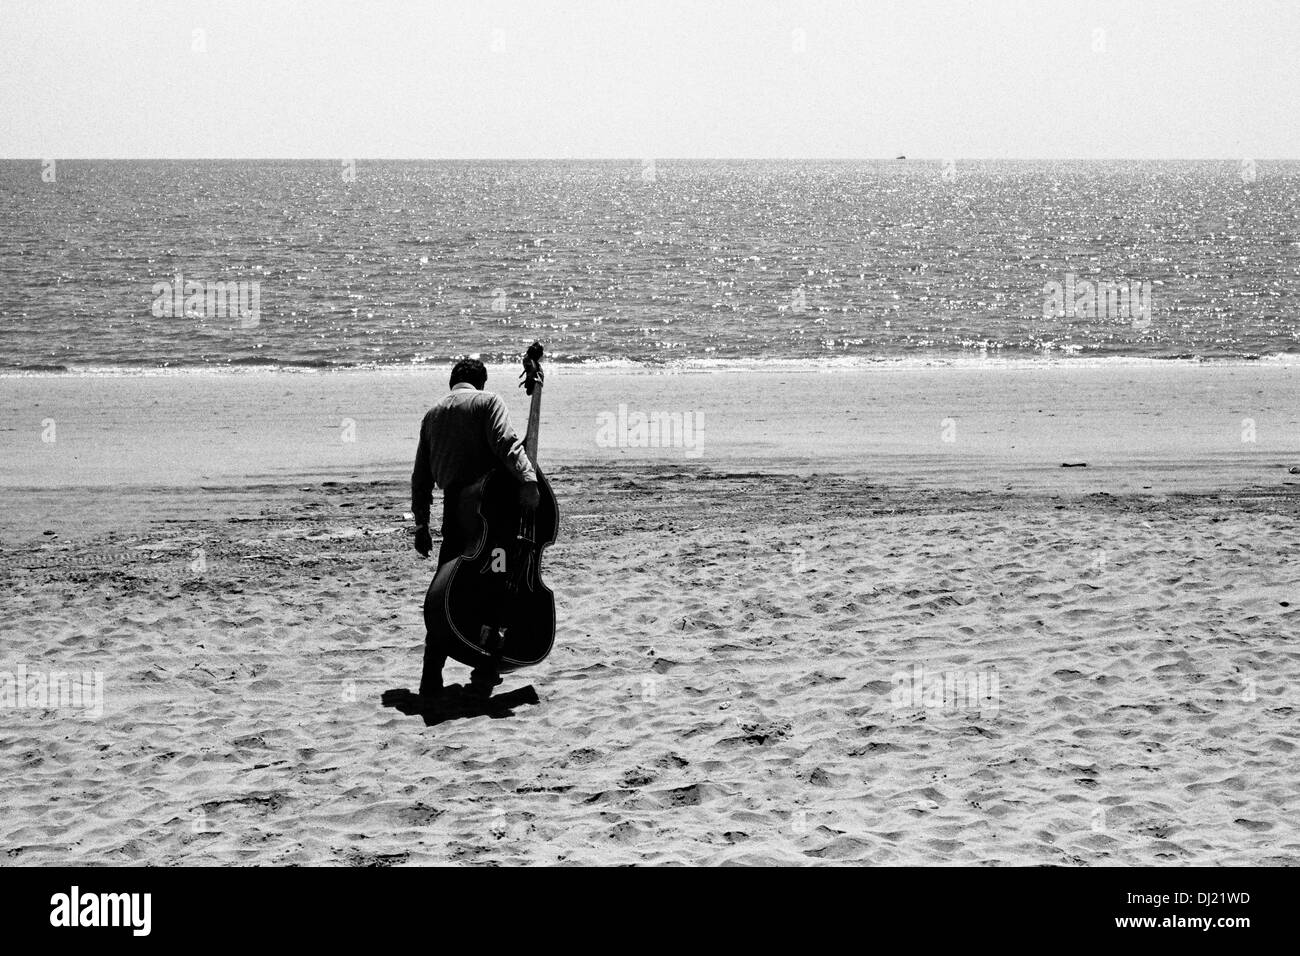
(490,604)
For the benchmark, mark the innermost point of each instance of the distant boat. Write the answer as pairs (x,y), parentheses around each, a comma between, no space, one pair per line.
(900,157)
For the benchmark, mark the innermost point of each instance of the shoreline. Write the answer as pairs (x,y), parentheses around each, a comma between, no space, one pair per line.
(684,366)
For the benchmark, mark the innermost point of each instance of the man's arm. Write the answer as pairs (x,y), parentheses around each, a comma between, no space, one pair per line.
(506,445)
(422,492)
(422,479)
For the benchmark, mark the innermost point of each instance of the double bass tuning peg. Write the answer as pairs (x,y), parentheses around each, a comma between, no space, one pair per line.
(532,374)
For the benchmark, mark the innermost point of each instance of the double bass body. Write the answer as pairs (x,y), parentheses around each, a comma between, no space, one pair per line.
(492,602)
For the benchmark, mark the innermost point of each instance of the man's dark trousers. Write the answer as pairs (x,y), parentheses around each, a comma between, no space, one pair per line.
(454,542)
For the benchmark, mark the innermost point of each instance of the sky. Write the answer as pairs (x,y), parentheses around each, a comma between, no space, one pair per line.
(617,79)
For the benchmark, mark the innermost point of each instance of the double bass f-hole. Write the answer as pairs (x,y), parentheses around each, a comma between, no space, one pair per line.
(520,560)
(525,555)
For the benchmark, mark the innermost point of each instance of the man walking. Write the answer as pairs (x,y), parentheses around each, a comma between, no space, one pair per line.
(462,438)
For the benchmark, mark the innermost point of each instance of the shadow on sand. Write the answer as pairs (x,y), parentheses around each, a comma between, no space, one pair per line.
(454,703)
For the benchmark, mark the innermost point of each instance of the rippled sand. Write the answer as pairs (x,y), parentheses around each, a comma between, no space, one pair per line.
(732,682)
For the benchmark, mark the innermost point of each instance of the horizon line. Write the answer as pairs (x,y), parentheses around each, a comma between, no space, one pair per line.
(642,159)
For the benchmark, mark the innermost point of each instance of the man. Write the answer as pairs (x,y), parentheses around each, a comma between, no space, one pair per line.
(462,438)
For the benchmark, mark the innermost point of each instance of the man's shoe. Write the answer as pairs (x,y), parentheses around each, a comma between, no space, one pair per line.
(429,696)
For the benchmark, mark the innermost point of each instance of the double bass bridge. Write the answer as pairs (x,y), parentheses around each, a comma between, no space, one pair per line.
(492,639)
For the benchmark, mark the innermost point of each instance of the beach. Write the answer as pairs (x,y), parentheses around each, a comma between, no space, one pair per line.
(968,613)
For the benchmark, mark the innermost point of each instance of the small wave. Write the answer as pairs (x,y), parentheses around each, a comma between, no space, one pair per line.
(266,361)
(256,366)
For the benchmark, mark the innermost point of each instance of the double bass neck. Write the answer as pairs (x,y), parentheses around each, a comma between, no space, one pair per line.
(532,384)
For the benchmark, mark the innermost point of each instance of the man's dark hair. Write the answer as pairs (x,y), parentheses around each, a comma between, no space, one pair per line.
(469,370)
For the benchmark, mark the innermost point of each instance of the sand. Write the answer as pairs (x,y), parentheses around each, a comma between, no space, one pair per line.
(825,635)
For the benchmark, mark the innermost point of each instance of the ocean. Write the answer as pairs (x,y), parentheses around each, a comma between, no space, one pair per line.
(132,265)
